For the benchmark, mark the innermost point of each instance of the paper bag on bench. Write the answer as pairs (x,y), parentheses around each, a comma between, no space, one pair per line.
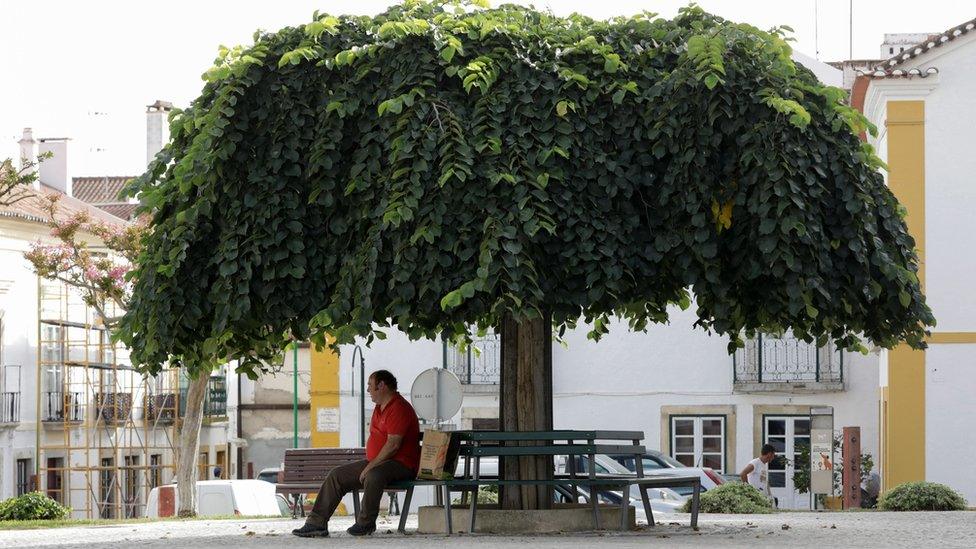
(438,455)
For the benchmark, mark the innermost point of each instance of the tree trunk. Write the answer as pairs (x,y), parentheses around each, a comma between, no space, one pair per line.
(526,405)
(187,466)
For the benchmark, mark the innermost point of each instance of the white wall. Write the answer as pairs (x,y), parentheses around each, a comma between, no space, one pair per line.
(950,196)
(623,381)
(950,383)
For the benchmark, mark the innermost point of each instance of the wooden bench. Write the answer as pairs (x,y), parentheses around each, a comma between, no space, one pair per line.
(306,468)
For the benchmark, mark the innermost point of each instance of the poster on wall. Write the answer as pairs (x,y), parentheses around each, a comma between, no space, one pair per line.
(327,420)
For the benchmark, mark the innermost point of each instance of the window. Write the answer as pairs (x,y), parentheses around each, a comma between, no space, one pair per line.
(23,476)
(55,478)
(130,495)
(155,470)
(699,441)
(204,466)
(891,51)
(106,482)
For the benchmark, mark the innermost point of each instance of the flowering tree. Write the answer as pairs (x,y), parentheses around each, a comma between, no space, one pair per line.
(95,258)
(98,273)
(15,184)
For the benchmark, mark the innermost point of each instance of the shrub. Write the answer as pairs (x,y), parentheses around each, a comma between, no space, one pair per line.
(733,498)
(32,506)
(922,496)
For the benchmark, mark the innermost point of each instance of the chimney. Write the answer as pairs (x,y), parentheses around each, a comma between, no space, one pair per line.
(54,171)
(28,153)
(157,128)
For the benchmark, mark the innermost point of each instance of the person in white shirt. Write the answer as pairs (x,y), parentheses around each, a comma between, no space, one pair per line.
(756,472)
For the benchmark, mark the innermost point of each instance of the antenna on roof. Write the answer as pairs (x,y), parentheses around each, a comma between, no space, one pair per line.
(850,31)
(816,29)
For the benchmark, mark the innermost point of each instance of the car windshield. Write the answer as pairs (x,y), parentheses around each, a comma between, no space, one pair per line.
(670,461)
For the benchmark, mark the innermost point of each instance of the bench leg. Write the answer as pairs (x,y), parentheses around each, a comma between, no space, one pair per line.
(624,507)
(355,503)
(447,510)
(474,509)
(405,511)
(694,505)
(594,503)
(394,503)
(647,505)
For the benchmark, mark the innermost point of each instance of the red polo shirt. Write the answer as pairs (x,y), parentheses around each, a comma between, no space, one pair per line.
(397,418)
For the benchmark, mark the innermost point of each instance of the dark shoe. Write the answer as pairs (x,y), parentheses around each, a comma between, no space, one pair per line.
(360,530)
(311,531)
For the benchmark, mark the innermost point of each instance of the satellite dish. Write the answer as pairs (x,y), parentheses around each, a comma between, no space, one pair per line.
(436,395)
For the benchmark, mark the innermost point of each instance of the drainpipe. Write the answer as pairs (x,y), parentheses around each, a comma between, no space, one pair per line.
(294,406)
(240,431)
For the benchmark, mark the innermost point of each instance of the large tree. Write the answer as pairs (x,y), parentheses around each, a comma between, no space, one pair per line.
(442,166)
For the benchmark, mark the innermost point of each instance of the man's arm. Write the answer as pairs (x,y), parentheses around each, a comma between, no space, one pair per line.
(388,450)
(744,475)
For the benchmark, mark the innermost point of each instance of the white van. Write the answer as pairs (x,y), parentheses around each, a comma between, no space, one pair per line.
(243,497)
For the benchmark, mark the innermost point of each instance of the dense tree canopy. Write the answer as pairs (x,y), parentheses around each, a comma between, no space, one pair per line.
(440,165)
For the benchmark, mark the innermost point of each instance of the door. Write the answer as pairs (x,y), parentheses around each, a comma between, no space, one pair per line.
(789,435)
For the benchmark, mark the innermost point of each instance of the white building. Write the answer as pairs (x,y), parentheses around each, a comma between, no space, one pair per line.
(921,100)
(76,421)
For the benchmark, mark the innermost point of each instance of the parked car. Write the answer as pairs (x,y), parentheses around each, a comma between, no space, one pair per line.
(243,497)
(662,500)
(269,474)
(662,464)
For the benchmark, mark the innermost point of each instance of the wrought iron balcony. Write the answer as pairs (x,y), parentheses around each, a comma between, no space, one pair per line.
(479,363)
(61,406)
(769,363)
(216,403)
(161,407)
(113,407)
(9,407)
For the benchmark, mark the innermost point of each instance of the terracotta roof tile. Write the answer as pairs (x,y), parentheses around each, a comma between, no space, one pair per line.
(122,210)
(932,42)
(32,208)
(98,189)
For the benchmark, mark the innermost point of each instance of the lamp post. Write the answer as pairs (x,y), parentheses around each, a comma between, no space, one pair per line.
(362,393)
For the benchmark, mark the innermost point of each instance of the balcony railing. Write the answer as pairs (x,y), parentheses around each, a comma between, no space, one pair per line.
(785,361)
(216,403)
(61,406)
(113,407)
(9,407)
(161,406)
(479,363)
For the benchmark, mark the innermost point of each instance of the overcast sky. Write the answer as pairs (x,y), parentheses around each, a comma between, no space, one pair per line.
(86,69)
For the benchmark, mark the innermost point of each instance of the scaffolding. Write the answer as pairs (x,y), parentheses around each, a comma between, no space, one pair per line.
(106,434)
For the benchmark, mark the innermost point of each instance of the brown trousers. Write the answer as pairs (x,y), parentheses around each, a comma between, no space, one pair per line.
(345,479)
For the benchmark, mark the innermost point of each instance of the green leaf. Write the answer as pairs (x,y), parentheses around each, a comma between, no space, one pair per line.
(448,53)
(562,108)
(451,300)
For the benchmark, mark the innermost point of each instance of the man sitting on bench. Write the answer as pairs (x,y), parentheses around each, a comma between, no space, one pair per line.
(392,455)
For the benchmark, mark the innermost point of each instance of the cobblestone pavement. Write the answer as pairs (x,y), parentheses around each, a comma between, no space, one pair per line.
(852,529)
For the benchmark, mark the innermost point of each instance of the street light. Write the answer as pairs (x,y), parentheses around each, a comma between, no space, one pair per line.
(362,393)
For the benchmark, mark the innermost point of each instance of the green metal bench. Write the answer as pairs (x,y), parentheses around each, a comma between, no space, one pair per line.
(478,444)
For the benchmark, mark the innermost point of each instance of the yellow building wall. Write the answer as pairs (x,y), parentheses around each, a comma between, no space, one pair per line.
(903,400)
(324,397)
